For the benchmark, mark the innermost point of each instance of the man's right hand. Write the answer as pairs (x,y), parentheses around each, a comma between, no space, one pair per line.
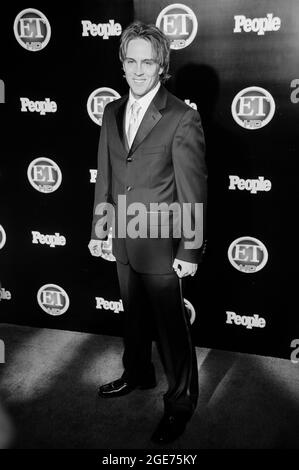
(95,247)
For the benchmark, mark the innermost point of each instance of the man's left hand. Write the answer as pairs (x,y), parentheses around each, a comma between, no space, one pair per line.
(184,268)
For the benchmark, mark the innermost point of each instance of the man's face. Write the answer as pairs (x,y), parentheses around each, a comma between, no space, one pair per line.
(141,69)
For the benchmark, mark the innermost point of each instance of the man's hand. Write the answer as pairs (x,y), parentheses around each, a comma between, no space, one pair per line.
(102,248)
(184,268)
(95,247)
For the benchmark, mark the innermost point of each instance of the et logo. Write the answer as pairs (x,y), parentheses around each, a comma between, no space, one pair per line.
(97,101)
(44,175)
(253,108)
(179,23)
(53,299)
(32,29)
(247,254)
(2,237)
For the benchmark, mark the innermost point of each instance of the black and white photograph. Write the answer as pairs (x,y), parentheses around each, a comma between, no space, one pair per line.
(148,255)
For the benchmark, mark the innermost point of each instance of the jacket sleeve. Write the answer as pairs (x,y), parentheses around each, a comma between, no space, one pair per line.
(102,215)
(188,155)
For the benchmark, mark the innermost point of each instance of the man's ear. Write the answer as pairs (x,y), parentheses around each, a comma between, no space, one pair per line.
(160,70)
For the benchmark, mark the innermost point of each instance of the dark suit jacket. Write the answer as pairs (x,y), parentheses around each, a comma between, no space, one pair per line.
(165,164)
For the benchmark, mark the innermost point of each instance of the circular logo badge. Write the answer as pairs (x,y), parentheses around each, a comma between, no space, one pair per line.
(253,108)
(44,175)
(179,23)
(190,311)
(97,101)
(53,299)
(247,254)
(2,237)
(32,29)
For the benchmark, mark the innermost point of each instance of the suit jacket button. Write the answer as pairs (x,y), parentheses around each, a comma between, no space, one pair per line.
(129,159)
(129,188)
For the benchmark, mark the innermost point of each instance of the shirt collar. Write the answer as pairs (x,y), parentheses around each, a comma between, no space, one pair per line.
(145,100)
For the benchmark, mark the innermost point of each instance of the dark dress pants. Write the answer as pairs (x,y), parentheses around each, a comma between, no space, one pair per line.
(153,303)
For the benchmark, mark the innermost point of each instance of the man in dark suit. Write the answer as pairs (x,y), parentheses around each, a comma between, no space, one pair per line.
(151,154)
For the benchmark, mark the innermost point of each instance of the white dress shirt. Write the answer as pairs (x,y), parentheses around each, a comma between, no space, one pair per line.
(144,102)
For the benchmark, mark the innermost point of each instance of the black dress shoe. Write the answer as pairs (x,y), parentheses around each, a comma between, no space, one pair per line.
(169,429)
(121,387)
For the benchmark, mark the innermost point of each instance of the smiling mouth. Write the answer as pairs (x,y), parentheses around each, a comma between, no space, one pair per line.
(138,80)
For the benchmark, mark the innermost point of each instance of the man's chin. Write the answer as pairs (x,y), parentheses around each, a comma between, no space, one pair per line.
(138,92)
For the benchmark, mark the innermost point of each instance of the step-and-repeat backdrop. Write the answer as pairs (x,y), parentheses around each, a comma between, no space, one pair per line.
(236,61)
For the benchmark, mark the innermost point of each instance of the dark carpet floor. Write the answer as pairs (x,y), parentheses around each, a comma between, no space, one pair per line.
(48,397)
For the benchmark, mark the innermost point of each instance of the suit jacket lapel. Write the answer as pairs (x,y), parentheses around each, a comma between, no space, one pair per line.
(149,121)
(120,120)
(151,117)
